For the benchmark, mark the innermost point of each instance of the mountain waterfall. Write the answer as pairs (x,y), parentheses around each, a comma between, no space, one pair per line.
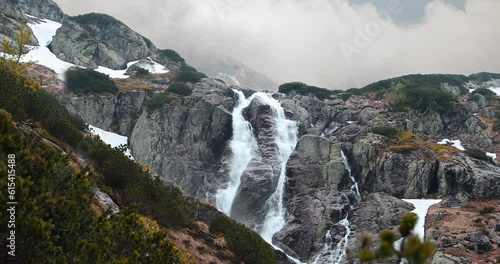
(329,254)
(244,147)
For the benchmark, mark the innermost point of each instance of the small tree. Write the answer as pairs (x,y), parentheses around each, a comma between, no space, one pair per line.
(412,249)
(14,50)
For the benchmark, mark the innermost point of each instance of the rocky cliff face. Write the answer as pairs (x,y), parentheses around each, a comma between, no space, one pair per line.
(12,12)
(186,141)
(94,40)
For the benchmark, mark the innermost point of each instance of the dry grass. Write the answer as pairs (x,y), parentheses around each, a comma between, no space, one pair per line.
(132,83)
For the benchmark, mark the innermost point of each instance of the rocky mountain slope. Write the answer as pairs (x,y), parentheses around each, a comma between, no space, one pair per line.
(383,137)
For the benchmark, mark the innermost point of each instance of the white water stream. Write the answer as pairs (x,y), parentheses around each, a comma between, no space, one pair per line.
(243,147)
(330,254)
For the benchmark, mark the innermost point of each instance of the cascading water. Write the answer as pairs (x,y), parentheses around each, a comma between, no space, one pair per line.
(328,254)
(285,136)
(354,187)
(243,146)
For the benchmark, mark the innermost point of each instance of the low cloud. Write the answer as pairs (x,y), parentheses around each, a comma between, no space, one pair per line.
(329,43)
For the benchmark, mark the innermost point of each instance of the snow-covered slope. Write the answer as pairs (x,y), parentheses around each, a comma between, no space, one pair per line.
(421,207)
(45,29)
(112,139)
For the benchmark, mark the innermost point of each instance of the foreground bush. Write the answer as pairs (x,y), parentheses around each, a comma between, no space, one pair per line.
(84,81)
(413,250)
(55,221)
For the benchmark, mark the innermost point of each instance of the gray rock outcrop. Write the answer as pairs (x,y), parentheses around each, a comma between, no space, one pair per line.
(477,178)
(94,40)
(442,258)
(316,203)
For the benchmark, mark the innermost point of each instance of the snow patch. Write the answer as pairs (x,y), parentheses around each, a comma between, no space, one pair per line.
(492,155)
(456,143)
(496,90)
(112,139)
(421,207)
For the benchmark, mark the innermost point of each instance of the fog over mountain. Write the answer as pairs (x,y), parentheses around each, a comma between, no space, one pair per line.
(331,43)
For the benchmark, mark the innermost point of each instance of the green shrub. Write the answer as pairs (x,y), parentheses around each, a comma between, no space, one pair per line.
(304,89)
(141,71)
(57,222)
(171,55)
(414,250)
(473,97)
(248,246)
(424,98)
(165,204)
(25,103)
(149,43)
(487,210)
(487,93)
(478,154)
(389,132)
(158,101)
(483,76)
(190,76)
(180,89)
(84,81)
(187,68)
(101,20)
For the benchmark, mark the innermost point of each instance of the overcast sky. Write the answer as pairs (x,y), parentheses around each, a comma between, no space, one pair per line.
(330,43)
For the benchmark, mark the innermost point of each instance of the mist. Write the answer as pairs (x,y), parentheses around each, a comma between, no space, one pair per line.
(328,43)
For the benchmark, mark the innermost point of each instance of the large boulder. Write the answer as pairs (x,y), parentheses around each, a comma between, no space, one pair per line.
(94,40)
(478,242)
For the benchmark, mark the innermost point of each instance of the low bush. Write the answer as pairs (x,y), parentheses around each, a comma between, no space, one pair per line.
(189,76)
(424,98)
(483,76)
(101,20)
(141,71)
(158,101)
(304,89)
(25,103)
(473,97)
(478,154)
(84,81)
(180,89)
(487,210)
(171,55)
(487,93)
(389,132)
(248,246)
